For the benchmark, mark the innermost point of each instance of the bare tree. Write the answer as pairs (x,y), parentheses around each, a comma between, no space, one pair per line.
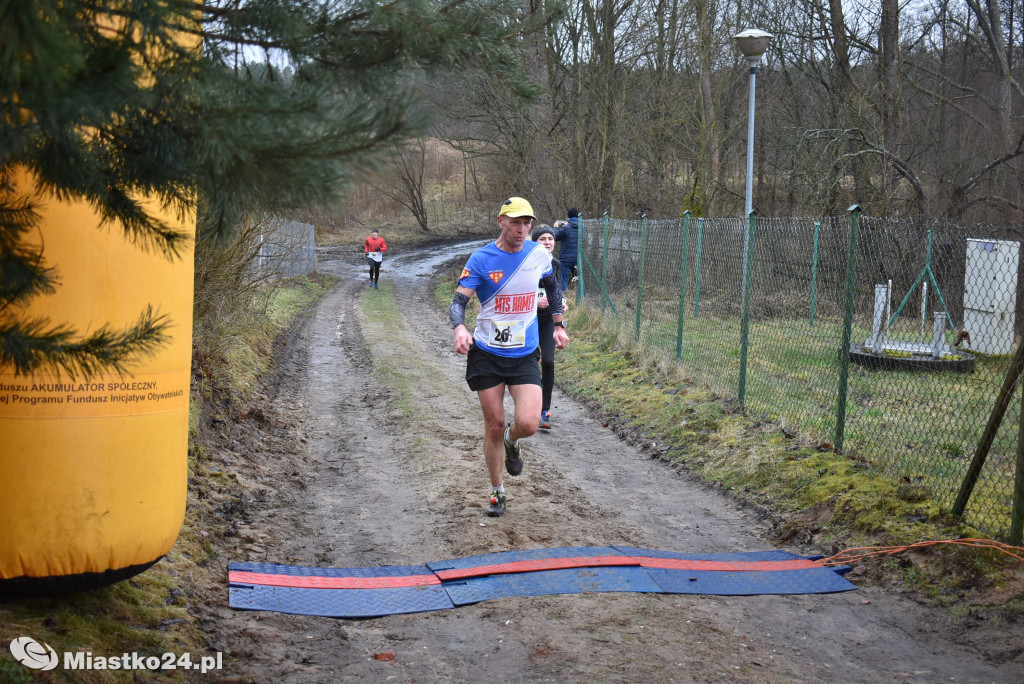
(406,166)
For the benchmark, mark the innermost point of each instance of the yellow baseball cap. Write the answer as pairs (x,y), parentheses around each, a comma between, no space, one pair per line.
(514,207)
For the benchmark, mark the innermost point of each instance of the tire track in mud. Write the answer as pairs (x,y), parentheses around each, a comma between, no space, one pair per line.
(358,467)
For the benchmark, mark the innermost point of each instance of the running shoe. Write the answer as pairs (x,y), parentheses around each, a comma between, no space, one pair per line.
(513,457)
(545,420)
(497,507)
(375,286)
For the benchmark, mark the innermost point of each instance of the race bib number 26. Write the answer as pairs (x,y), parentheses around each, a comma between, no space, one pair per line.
(508,334)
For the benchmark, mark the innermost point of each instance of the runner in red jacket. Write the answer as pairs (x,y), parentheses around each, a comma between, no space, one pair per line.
(375,248)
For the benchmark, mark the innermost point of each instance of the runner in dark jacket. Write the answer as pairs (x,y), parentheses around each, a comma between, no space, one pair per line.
(546,331)
(568,235)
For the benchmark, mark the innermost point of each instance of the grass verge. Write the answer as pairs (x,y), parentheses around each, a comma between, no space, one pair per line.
(149,613)
(819,501)
(916,423)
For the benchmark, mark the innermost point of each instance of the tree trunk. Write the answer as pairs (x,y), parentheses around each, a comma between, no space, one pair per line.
(847,92)
(710,153)
(888,79)
(542,186)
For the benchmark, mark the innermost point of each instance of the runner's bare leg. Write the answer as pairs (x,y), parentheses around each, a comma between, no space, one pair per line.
(528,400)
(492,403)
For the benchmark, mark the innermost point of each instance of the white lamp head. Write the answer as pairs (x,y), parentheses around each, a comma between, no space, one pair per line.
(753,43)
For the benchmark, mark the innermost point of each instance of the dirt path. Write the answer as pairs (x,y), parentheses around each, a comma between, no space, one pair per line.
(344,469)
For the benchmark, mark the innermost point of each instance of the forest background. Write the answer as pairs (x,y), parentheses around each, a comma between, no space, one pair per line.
(910,110)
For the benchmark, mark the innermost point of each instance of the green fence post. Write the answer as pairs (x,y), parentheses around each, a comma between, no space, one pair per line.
(814,269)
(581,290)
(643,259)
(682,283)
(696,275)
(844,349)
(604,264)
(748,276)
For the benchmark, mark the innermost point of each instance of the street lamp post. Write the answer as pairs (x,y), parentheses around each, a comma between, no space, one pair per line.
(752,43)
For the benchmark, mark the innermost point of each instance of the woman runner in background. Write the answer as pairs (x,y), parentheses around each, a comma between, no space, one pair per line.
(546,329)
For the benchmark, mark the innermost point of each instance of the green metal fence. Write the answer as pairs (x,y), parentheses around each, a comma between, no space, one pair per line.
(851,334)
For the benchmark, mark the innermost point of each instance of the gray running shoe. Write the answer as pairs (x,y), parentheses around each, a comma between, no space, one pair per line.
(497,507)
(513,457)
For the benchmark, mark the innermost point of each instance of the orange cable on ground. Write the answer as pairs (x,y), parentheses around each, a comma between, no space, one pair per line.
(861,553)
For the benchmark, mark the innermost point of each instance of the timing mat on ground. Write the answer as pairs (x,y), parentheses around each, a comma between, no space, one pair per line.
(395,589)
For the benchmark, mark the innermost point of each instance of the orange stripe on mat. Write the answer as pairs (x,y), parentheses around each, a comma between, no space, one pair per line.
(316,582)
(618,561)
(727,566)
(538,565)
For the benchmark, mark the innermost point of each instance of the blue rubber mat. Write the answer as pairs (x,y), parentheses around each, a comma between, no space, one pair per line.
(773,555)
(342,603)
(810,581)
(335,592)
(389,590)
(547,582)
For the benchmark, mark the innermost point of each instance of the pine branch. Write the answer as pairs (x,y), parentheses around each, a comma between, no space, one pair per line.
(23,274)
(33,347)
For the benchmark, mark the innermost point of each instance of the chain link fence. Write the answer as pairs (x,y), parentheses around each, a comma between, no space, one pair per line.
(286,248)
(890,340)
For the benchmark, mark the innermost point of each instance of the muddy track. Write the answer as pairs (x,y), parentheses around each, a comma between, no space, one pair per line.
(345,466)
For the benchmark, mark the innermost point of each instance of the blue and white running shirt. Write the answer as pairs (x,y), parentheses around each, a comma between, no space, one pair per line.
(506,285)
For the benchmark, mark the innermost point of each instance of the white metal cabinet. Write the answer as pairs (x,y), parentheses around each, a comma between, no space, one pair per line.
(990,294)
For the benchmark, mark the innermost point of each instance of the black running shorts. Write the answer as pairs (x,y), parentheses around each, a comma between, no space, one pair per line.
(485,370)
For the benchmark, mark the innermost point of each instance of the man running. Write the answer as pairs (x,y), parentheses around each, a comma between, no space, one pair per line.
(568,233)
(502,351)
(375,248)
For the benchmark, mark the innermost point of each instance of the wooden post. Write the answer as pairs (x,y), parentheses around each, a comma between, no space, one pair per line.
(987,437)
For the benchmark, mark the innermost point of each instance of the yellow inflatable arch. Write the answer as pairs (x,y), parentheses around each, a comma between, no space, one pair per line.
(93,473)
